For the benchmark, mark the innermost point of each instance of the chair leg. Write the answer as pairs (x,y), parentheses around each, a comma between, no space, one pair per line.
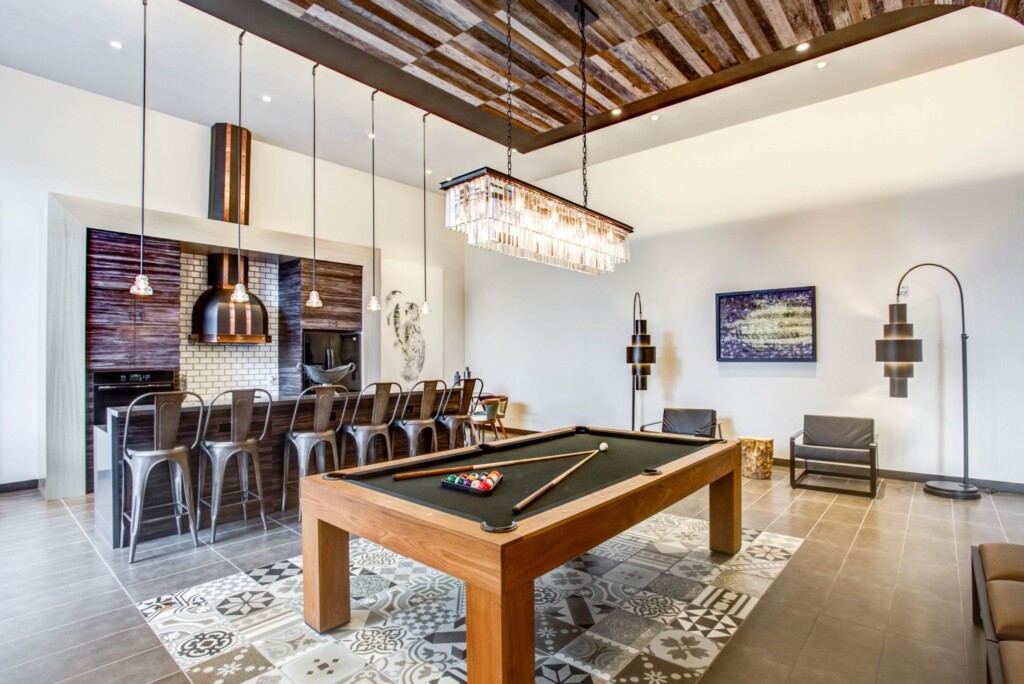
(218,466)
(243,481)
(199,488)
(387,443)
(140,474)
(259,486)
(433,437)
(330,441)
(124,499)
(175,494)
(303,469)
(186,477)
(284,478)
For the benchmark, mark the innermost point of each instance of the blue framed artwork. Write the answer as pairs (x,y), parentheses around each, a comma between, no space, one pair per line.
(767,325)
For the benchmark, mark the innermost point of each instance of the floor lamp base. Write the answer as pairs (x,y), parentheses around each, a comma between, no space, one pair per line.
(951,490)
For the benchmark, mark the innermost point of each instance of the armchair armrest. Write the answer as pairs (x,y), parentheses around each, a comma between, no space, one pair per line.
(647,425)
(793,438)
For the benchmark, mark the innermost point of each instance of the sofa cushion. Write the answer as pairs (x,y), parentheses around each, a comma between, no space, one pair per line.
(839,431)
(1006,602)
(833,454)
(1011,653)
(1003,561)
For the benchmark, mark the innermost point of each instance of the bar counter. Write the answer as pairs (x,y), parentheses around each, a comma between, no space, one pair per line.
(108,443)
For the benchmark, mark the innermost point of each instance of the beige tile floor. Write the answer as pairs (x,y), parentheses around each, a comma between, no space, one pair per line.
(879,591)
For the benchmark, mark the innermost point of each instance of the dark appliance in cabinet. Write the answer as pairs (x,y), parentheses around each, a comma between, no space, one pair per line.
(330,349)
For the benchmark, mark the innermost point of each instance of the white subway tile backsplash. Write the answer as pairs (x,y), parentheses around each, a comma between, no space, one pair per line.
(210,369)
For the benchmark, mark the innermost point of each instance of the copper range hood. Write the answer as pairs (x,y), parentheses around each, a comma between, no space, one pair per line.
(218,320)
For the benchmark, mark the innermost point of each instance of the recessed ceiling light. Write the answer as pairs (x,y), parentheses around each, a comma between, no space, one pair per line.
(448,178)
(429,171)
(803,47)
(655,117)
(371,136)
(515,150)
(116,44)
(616,111)
(821,65)
(266,98)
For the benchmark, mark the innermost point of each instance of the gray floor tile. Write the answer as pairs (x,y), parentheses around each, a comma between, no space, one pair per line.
(906,660)
(42,620)
(44,644)
(181,580)
(62,595)
(774,632)
(860,602)
(154,664)
(839,649)
(928,618)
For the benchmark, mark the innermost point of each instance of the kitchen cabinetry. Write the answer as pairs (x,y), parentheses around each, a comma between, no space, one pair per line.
(341,290)
(122,330)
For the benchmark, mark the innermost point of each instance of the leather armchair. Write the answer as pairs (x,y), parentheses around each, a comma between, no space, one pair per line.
(839,440)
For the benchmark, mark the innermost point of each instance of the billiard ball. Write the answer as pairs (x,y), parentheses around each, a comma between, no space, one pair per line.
(603,446)
(485,485)
(452,478)
(476,484)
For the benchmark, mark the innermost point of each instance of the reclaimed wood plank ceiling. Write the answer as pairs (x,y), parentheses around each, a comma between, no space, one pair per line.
(641,55)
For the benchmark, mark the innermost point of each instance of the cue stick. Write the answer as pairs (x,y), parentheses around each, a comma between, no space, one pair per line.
(481,466)
(537,494)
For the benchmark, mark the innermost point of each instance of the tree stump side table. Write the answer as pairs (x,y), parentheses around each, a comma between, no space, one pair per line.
(757,454)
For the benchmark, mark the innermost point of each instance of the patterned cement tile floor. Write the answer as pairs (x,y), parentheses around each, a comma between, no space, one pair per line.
(652,604)
(878,591)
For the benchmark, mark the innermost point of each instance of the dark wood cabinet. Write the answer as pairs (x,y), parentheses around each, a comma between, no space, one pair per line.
(124,331)
(341,291)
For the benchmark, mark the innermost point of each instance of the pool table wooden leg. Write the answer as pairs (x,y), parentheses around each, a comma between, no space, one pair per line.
(499,635)
(325,580)
(726,512)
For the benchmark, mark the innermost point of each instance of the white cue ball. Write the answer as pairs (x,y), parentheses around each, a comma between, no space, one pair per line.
(603,446)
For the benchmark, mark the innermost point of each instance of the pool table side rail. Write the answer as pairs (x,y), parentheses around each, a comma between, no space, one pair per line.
(459,547)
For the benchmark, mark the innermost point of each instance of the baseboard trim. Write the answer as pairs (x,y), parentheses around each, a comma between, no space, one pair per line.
(18,486)
(841,470)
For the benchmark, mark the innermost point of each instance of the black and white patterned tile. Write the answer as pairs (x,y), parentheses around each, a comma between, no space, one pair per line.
(651,605)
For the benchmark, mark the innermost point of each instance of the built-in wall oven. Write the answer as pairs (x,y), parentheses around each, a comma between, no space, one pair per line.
(120,388)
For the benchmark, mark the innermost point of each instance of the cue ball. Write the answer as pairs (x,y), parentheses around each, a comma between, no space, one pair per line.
(603,446)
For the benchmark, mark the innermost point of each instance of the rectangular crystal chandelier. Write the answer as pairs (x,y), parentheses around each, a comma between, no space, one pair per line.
(506,215)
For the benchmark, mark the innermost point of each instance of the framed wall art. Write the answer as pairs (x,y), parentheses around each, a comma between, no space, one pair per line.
(767,325)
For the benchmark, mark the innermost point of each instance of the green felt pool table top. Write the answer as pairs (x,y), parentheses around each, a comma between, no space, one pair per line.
(628,455)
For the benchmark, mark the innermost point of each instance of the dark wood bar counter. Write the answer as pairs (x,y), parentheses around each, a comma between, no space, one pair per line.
(109,441)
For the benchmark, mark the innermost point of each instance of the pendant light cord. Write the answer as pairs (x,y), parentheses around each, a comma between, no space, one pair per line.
(425,206)
(145,51)
(581,8)
(241,37)
(508,84)
(373,189)
(315,66)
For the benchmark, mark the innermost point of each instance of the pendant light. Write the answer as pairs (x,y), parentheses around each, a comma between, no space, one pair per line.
(374,303)
(504,214)
(425,309)
(314,297)
(240,296)
(141,286)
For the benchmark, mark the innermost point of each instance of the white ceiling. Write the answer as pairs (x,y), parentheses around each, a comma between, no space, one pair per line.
(193,75)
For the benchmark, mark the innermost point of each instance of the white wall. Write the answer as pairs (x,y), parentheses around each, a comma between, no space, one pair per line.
(54,138)
(844,195)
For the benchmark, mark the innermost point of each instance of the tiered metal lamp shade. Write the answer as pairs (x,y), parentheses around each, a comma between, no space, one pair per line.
(641,354)
(898,350)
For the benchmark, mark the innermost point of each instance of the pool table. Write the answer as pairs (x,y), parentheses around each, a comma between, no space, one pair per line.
(448,530)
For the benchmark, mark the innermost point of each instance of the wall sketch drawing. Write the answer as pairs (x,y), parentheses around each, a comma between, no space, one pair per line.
(402,320)
(412,345)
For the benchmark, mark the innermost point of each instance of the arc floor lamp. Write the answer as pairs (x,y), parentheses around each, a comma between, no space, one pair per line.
(899,351)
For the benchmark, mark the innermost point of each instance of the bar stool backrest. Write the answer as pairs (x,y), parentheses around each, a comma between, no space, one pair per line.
(470,391)
(324,397)
(429,393)
(243,408)
(166,418)
(381,392)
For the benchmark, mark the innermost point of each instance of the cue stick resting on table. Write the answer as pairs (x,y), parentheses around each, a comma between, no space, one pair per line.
(518,508)
(481,466)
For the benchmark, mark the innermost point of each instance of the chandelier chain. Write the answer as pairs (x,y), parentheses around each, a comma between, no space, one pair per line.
(241,41)
(581,8)
(508,84)
(315,66)
(425,206)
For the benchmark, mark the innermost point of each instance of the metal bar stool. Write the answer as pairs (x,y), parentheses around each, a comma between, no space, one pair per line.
(241,445)
(322,434)
(166,417)
(378,426)
(462,419)
(424,420)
